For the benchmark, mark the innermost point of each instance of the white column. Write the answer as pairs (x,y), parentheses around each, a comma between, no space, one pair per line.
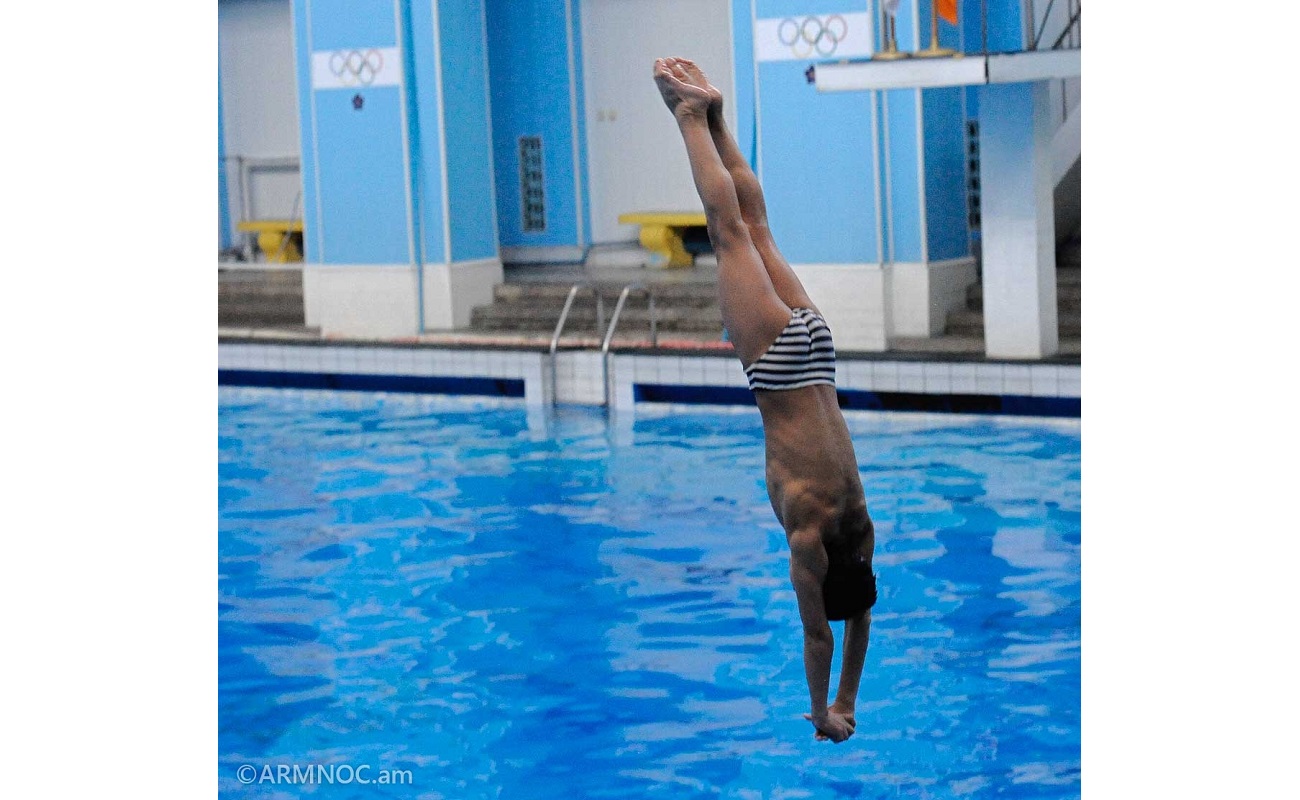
(1018,230)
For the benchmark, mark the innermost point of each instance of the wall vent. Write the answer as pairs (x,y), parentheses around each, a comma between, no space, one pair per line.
(973,174)
(532,183)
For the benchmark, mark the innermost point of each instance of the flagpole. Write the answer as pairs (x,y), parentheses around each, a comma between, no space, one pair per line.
(889,50)
(934,50)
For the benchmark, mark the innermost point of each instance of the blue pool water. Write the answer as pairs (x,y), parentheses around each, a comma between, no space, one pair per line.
(514,608)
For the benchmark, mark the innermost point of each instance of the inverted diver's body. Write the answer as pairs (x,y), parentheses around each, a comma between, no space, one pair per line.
(782,340)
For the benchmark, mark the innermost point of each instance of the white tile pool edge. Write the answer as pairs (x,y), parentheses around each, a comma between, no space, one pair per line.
(580,379)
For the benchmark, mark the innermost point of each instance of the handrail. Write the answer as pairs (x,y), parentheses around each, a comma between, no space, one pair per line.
(608,339)
(1038,37)
(613,324)
(564,317)
(1069,27)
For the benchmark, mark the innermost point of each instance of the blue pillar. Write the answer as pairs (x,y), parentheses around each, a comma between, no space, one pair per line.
(1017,231)
(535,50)
(223,191)
(817,156)
(930,262)
(382,190)
(456,176)
(866,191)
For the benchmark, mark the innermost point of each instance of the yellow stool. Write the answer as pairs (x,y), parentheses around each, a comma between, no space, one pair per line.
(275,238)
(661,232)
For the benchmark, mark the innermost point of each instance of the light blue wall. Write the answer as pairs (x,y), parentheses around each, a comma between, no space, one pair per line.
(576,30)
(344,24)
(901,148)
(465,116)
(817,174)
(354,160)
(414,141)
(742,37)
(1007,141)
(1006,26)
(817,159)
(947,231)
(311,237)
(783,8)
(223,193)
(529,62)
(374,176)
(362,179)
(943,117)
(817,153)
(426,133)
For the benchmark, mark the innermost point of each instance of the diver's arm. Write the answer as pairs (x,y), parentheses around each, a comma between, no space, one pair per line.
(808,565)
(856,634)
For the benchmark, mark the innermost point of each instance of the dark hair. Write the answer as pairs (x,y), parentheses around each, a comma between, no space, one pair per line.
(849,587)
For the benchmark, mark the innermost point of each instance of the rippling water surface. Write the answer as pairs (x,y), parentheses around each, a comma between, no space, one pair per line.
(572,609)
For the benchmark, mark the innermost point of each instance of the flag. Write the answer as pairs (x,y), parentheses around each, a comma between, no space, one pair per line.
(948,10)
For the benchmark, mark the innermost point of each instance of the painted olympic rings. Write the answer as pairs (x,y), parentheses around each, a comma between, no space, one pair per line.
(354,68)
(812,34)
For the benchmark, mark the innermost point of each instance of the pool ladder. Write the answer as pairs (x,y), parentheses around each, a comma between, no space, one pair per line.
(600,323)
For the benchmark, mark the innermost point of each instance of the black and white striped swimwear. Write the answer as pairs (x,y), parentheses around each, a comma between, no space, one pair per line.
(803,355)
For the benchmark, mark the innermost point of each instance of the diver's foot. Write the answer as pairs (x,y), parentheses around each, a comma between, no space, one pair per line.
(681,97)
(695,77)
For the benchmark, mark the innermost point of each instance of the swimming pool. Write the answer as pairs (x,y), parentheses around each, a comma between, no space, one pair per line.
(513,610)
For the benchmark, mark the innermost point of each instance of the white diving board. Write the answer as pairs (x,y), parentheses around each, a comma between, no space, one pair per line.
(961,70)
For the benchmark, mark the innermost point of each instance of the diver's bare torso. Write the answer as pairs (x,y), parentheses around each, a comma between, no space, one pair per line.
(812,471)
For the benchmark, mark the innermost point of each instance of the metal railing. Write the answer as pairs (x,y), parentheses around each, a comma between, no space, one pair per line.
(564,317)
(1067,23)
(608,339)
(613,325)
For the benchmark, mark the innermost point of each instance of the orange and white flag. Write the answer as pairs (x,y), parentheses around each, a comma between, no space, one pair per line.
(948,10)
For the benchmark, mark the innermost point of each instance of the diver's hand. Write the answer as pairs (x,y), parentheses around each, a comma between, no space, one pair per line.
(844,709)
(833,726)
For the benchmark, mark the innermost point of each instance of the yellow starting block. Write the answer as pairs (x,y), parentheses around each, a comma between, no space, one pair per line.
(661,232)
(275,238)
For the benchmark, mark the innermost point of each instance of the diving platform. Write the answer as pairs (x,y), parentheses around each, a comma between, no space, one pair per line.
(916,72)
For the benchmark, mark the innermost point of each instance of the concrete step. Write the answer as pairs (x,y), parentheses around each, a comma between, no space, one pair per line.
(259,298)
(1069,298)
(967,345)
(1065,306)
(260,277)
(698,293)
(258,319)
(965,323)
(524,307)
(587,310)
(1066,295)
(510,316)
(971,323)
(963,344)
(552,306)
(625,330)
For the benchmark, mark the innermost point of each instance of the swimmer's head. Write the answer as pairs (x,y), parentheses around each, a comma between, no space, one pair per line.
(849,587)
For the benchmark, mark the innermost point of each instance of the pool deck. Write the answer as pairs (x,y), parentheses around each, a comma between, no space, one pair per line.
(942,348)
(944,373)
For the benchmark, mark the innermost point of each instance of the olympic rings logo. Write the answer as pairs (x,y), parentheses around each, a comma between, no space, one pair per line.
(813,34)
(354,68)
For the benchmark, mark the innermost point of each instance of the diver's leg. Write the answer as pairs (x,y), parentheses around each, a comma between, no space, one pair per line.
(749,194)
(752,311)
